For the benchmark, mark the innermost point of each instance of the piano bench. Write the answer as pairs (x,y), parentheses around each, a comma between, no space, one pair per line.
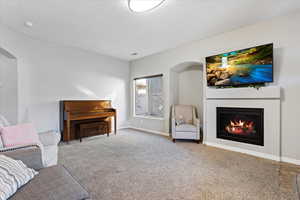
(93,128)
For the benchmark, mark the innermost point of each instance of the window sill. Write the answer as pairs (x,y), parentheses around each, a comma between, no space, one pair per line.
(148,117)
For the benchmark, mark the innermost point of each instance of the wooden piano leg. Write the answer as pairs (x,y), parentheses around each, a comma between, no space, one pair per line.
(80,133)
(107,130)
(115,119)
(68,130)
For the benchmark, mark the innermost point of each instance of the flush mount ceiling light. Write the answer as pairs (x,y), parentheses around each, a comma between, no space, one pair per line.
(143,5)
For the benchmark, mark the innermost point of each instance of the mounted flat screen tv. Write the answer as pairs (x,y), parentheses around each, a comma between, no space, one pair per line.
(243,67)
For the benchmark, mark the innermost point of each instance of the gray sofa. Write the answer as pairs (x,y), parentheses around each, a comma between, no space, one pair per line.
(52,183)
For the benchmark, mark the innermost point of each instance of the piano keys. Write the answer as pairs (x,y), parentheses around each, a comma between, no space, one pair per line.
(76,112)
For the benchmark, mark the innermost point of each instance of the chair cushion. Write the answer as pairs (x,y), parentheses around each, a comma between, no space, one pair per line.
(184,112)
(186,128)
(52,183)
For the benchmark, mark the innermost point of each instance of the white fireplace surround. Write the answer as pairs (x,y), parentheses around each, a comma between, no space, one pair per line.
(267,98)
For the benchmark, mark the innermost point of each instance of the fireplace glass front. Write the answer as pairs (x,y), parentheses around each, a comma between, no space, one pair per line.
(241,124)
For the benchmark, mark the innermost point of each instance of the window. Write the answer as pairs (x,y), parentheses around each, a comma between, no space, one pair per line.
(148,97)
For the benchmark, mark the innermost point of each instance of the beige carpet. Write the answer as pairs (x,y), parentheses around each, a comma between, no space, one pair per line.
(136,166)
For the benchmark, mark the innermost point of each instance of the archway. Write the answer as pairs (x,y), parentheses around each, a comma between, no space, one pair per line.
(186,86)
(8,86)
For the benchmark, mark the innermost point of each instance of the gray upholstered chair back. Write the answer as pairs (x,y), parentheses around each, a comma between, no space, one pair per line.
(184,112)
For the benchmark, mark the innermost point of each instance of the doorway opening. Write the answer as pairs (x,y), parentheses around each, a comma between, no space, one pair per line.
(8,86)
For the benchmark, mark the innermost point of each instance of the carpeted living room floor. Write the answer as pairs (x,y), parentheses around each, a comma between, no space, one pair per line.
(134,165)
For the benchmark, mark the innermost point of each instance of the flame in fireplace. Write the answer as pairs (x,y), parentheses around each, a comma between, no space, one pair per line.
(240,127)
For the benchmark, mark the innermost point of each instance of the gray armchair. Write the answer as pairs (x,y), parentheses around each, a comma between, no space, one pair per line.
(185,124)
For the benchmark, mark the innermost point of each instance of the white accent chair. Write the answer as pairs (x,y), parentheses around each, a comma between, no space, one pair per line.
(185,124)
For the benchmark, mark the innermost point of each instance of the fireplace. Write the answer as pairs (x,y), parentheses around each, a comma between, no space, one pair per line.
(241,124)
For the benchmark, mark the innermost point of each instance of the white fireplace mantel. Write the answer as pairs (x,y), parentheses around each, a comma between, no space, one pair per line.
(270,92)
(265,97)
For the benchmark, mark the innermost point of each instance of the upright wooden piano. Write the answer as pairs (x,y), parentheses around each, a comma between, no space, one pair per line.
(74,113)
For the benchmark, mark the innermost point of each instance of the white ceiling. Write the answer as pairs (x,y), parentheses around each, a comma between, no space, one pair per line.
(108,27)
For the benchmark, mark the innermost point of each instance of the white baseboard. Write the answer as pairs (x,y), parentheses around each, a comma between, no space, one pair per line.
(245,151)
(122,127)
(149,131)
(290,160)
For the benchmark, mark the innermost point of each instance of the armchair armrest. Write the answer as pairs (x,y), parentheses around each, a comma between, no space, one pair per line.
(49,138)
(196,122)
(30,155)
(173,121)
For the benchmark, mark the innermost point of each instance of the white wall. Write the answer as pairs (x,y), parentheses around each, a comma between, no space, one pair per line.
(8,88)
(174,87)
(190,90)
(282,31)
(48,73)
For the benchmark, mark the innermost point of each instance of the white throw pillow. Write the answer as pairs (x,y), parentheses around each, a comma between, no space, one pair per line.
(13,175)
(179,122)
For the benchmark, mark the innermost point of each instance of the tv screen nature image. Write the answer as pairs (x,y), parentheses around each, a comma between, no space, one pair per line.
(247,66)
